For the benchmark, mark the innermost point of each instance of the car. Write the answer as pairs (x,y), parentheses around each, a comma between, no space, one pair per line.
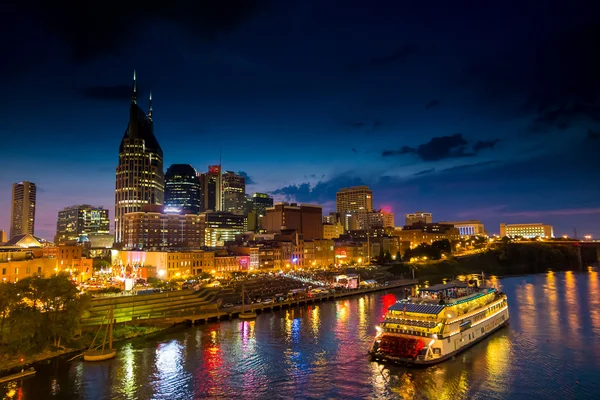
(227,305)
(268,301)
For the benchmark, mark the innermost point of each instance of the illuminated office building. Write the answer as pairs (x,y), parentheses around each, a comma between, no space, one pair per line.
(527,230)
(79,220)
(22,216)
(182,189)
(234,193)
(140,177)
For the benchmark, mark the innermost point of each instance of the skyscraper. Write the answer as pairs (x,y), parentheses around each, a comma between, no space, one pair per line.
(354,199)
(140,177)
(22,215)
(261,202)
(182,189)
(234,193)
(211,184)
(80,220)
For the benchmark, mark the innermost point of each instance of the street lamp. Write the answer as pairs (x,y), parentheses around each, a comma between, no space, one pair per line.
(588,237)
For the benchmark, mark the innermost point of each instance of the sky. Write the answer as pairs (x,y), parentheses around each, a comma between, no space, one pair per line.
(465,109)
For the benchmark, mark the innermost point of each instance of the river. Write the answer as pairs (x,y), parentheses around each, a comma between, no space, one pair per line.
(550,350)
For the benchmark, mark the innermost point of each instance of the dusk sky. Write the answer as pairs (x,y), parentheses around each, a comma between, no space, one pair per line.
(463,109)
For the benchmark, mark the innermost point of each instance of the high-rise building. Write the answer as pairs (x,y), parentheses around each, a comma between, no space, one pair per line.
(152,228)
(22,216)
(211,184)
(182,189)
(306,219)
(140,177)
(419,217)
(80,220)
(221,227)
(332,218)
(354,199)
(3,236)
(260,202)
(234,193)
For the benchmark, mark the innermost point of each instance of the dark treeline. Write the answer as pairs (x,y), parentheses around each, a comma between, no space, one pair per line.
(503,259)
(38,313)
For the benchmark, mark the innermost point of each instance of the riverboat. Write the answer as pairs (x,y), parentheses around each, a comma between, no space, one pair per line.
(438,323)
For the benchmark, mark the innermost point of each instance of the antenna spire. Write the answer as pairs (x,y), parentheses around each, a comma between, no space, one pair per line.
(150,108)
(134,95)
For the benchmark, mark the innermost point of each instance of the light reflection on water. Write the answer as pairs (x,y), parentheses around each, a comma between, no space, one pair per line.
(550,350)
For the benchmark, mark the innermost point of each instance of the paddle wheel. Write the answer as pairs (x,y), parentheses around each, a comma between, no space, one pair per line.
(400,347)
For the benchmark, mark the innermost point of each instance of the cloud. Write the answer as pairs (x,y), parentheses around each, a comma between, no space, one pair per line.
(96,29)
(425,171)
(432,104)
(321,192)
(249,180)
(436,149)
(108,93)
(401,54)
(368,125)
(354,150)
(469,166)
(591,135)
(484,144)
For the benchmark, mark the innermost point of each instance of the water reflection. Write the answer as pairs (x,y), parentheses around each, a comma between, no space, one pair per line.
(320,352)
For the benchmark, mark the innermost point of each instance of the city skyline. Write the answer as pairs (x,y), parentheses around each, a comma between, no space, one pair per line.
(426,120)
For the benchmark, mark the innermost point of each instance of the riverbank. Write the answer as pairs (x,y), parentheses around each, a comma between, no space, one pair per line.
(504,260)
(14,363)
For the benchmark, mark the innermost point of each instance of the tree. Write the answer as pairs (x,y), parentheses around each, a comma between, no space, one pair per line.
(442,245)
(99,263)
(8,299)
(398,256)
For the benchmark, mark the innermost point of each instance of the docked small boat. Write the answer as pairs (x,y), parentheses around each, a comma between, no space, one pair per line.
(439,323)
(23,374)
(246,314)
(102,353)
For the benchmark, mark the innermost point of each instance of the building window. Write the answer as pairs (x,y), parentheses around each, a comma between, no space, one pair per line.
(3,271)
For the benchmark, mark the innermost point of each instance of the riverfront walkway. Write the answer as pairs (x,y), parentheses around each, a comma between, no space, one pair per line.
(233,312)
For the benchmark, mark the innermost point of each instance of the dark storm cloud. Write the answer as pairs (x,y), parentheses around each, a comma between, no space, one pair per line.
(438,148)
(424,172)
(115,92)
(484,144)
(323,191)
(432,104)
(94,29)
(249,180)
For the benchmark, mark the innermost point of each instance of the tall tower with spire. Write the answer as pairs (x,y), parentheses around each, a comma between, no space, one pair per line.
(140,177)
